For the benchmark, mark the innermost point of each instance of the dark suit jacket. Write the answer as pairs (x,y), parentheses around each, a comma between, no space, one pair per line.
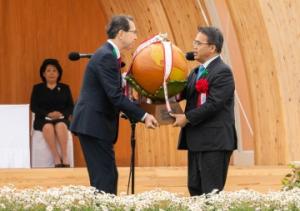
(211,126)
(96,112)
(45,100)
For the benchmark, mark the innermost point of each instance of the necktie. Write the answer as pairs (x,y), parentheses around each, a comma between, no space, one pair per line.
(200,71)
(119,61)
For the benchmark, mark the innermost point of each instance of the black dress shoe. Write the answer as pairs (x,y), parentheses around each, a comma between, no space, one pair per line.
(66,165)
(60,165)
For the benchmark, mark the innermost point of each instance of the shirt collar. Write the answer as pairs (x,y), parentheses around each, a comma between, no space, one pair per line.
(117,51)
(205,64)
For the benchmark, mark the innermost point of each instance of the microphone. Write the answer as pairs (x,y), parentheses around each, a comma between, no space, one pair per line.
(74,56)
(190,56)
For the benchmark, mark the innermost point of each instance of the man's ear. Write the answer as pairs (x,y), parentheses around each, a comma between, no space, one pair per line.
(120,34)
(213,48)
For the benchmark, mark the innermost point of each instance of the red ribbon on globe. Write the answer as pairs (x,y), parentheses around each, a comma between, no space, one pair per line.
(201,87)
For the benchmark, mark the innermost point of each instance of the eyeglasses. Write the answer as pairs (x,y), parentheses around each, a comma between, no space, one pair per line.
(133,31)
(197,42)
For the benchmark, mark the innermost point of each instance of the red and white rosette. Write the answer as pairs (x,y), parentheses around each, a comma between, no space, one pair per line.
(201,87)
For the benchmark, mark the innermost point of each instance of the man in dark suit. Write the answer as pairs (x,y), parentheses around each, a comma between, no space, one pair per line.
(96,114)
(208,127)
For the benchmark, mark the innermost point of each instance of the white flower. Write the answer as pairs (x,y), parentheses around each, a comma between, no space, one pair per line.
(81,202)
(49,208)
(81,197)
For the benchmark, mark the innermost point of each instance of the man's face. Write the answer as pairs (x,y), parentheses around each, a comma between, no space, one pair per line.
(202,49)
(130,36)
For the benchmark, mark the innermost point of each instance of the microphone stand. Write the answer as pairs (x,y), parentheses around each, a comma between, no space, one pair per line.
(131,177)
(132,160)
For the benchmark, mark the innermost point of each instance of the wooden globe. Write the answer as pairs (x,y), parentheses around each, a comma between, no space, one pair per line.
(148,70)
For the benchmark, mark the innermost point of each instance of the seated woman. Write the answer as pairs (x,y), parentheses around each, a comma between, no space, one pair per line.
(52,104)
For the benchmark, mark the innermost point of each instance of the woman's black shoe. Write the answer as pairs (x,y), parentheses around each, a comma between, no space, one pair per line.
(60,165)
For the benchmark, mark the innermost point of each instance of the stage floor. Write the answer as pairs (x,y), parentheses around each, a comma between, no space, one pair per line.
(173,179)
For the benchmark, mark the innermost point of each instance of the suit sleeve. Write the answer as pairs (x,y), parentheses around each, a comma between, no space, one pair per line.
(35,108)
(220,91)
(109,75)
(67,111)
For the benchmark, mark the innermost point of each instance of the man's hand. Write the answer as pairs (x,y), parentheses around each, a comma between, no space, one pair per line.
(180,120)
(151,122)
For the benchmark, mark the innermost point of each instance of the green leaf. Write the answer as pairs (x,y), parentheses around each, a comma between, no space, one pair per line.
(174,87)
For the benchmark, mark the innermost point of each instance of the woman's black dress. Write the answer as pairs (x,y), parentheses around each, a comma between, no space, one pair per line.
(45,100)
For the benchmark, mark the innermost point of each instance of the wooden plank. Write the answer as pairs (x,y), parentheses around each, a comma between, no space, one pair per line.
(263,74)
(284,33)
(259,178)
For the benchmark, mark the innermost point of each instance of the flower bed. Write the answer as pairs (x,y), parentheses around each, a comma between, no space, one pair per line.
(86,198)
